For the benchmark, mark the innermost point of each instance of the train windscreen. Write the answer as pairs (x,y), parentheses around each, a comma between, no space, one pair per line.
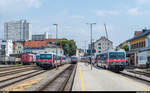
(46,56)
(37,57)
(116,55)
(74,57)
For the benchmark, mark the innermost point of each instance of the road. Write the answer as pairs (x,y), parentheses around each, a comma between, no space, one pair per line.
(99,79)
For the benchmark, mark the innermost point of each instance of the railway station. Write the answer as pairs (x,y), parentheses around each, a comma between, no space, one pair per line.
(74,45)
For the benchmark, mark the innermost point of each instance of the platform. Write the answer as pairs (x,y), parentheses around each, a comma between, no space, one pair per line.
(99,79)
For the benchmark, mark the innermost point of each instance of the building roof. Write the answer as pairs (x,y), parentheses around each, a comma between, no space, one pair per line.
(145,32)
(103,37)
(52,40)
(136,33)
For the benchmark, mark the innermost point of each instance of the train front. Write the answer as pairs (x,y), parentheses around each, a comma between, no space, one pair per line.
(117,61)
(46,60)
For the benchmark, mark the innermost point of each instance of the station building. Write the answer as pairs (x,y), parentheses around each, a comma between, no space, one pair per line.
(139,48)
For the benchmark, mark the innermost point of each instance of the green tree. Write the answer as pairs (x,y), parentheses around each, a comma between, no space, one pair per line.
(126,48)
(69,46)
(72,47)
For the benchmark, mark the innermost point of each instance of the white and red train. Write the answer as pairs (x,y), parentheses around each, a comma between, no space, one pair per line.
(114,60)
(49,60)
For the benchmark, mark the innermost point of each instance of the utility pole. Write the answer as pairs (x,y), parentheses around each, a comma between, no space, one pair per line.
(91,24)
(56,43)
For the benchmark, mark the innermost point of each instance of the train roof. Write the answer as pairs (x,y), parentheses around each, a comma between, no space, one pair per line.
(51,53)
(113,50)
(73,56)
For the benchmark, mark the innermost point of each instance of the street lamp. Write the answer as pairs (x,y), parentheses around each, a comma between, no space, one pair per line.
(91,24)
(56,42)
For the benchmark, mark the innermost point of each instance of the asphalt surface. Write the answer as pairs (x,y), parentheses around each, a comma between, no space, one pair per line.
(99,79)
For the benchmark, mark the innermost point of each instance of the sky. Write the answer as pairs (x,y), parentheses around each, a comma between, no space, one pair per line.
(122,17)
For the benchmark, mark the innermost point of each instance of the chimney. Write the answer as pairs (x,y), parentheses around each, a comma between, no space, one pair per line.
(136,33)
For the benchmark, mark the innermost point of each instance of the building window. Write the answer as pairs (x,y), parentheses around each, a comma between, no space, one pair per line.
(140,44)
(99,51)
(144,44)
(99,47)
(99,44)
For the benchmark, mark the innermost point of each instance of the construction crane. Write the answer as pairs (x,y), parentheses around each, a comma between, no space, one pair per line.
(106,34)
(106,30)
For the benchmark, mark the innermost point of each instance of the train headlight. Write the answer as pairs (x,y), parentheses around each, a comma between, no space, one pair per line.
(123,63)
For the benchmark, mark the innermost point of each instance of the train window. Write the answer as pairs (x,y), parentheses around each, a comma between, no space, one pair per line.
(116,55)
(148,59)
(46,56)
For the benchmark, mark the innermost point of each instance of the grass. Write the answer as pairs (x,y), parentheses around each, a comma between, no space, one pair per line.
(18,64)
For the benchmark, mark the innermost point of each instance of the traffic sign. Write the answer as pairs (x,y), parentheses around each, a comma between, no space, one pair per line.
(93,51)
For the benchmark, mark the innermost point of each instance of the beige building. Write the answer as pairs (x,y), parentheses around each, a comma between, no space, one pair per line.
(102,44)
(18,47)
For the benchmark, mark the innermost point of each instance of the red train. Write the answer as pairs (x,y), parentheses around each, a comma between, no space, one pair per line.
(27,59)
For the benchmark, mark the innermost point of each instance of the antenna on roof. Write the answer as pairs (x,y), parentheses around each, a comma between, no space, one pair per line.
(145,29)
(106,30)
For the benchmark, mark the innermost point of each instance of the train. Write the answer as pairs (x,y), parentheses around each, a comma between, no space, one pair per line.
(114,60)
(27,58)
(74,59)
(50,60)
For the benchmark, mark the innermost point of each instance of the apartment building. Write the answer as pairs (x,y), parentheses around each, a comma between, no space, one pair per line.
(102,44)
(17,30)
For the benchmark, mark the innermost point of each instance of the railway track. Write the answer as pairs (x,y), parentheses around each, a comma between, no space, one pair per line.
(140,73)
(59,82)
(10,81)
(136,76)
(16,71)
(14,67)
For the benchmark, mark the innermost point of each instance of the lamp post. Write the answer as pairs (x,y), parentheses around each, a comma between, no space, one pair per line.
(91,25)
(56,42)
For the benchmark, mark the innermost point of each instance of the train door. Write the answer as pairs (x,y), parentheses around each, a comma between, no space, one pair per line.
(53,59)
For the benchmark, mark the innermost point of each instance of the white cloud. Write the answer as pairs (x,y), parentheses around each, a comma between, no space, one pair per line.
(15,5)
(142,2)
(77,17)
(33,3)
(134,12)
(106,12)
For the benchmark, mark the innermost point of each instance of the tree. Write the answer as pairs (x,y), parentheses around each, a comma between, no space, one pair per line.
(72,47)
(69,46)
(126,48)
